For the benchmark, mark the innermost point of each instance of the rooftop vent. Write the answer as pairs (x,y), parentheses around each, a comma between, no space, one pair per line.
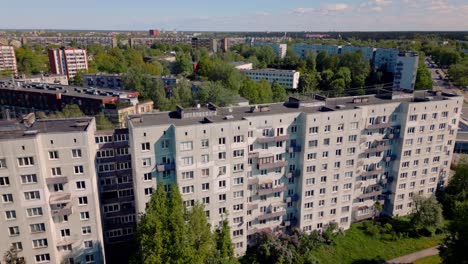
(30,132)
(228,117)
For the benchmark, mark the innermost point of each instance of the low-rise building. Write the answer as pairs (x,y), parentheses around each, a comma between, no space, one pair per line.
(43,78)
(287,78)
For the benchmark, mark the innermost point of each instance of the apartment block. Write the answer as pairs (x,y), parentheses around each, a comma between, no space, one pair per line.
(133,42)
(279,48)
(207,43)
(67,41)
(298,164)
(42,78)
(68,61)
(8,59)
(49,191)
(406,66)
(287,78)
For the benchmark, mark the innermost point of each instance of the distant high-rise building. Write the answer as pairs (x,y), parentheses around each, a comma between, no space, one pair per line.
(7,59)
(68,61)
(153,32)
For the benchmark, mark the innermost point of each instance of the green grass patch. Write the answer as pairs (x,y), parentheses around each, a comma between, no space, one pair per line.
(429,260)
(355,247)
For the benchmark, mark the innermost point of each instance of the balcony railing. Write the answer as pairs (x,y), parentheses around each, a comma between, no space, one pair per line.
(67,210)
(277,164)
(378,125)
(117,186)
(165,167)
(59,198)
(266,139)
(253,154)
(271,215)
(253,180)
(56,180)
(370,194)
(266,191)
(378,148)
(371,172)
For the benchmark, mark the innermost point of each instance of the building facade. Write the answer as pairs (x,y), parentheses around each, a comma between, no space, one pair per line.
(43,78)
(8,59)
(300,164)
(68,61)
(404,77)
(287,78)
(50,204)
(279,48)
(67,41)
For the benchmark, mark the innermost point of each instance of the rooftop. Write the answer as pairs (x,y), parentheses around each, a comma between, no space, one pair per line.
(68,90)
(213,114)
(10,129)
(269,70)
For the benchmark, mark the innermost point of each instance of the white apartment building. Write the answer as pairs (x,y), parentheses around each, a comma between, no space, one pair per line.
(8,59)
(49,198)
(300,163)
(279,48)
(242,65)
(287,78)
(68,61)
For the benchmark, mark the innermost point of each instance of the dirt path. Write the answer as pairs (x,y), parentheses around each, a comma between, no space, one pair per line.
(410,258)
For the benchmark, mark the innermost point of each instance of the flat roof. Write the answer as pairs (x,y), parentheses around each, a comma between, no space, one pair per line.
(237,113)
(66,90)
(10,129)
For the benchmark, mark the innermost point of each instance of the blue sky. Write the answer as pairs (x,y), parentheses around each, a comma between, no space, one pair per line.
(236,15)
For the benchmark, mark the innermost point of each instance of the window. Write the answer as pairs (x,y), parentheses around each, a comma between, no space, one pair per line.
(76,153)
(89,258)
(86,230)
(13,230)
(25,161)
(83,200)
(238,207)
(205,186)
(205,172)
(40,243)
(222,155)
(4,181)
(84,216)
(352,138)
(312,156)
(145,146)
(28,179)
(53,155)
(238,139)
(37,228)
(32,212)
(147,176)
(206,200)
(238,167)
(187,175)
(238,181)
(80,185)
(222,197)
(3,163)
(42,258)
(222,170)
(148,191)
(146,162)
(239,232)
(327,128)
(188,189)
(238,153)
(222,141)
(18,246)
(10,215)
(187,161)
(313,143)
(78,169)
(238,194)
(205,143)
(186,146)
(56,171)
(88,244)
(165,144)
(222,184)
(7,198)
(32,195)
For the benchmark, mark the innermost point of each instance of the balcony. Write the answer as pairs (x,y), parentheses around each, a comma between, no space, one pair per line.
(253,180)
(270,190)
(252,206)
(271,215)
(293,149)
(117,186)
(295,173)
(378,125)
(57,198)
(371,172)
(67,210)
(272,165)
(165,167)
(376,148)
(267,139)
(56,180)
(391,136)
(370,194)
(253,154)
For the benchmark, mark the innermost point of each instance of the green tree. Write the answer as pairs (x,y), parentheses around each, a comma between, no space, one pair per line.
(78,79)
(69,111)
(453,249)
(31,61)
(182,94)
(459,73)
(345,74)
(183,65)
(427,213)
(102,123)
(250,91)
(157,93)
(308,83)
(224,250)
(264,91)
(456,190)
(176,227)
(11,257)
(279,92)
(200,238)
(214,92)
(338,87)
(423,78)
(321,59)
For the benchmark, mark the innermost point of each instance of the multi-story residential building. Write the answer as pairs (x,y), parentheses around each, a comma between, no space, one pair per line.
(114,174)
(302,49)
(287,78)
(43,78)
(406,65)
(133,42)
(227,43)
(39,97)
(385,59)
(103,80)
(153,32)
(279,48)
(67,41)
(367,52)
(207,43)
(49,191)
(68,61)
(242,65)
(8,59)
(298,164)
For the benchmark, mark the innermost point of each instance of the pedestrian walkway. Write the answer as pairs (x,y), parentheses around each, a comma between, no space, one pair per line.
(410,258)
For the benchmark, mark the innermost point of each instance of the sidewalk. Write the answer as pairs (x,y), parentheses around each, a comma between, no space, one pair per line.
(410,258)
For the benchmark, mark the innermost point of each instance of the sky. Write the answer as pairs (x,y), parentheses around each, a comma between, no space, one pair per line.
(236,15)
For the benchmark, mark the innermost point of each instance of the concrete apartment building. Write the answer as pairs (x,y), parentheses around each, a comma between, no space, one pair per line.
(8,59)
(68,61)
(279,48)
(299,164)
(207,43)
(287,78)
(67,41)
(43,78)
(48,186)
(133,42)
(406,66)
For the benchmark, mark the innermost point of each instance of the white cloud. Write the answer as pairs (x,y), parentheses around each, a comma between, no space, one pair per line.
(302,10)
(335,7)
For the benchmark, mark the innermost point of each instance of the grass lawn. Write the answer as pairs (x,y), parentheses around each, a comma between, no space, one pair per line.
(355,247)
(429,260)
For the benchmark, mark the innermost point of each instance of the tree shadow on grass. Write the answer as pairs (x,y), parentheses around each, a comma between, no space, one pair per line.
(377,260)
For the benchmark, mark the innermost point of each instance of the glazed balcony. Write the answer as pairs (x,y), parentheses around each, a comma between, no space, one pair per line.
(269,189)
(271,215)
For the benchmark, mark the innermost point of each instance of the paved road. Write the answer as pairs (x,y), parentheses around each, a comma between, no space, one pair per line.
(441,85)
(410,258)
